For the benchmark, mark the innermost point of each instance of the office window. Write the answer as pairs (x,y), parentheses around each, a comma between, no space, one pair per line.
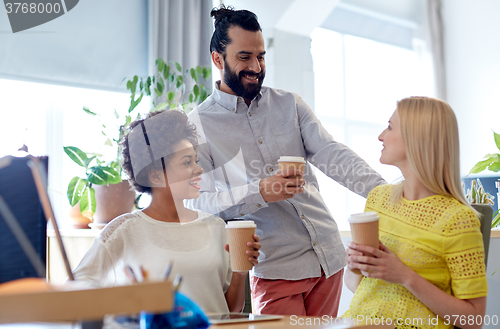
(47,117)
(357,84)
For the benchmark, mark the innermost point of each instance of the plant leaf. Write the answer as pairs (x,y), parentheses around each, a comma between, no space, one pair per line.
(88,203)
(496,220)
(86,109)
(166,72)
(179,81)
(207,71)
(203,95)
(161,66)
(170,96)
(481,165)
(134,84)
(134,103)
(199,70)
(495,166)
(160,106)
(497,139)
(160,85)
(148,86)
(76,188)
(86,162)
(113,177)
(96,175)
(194,75)
(179,67)
(77,155)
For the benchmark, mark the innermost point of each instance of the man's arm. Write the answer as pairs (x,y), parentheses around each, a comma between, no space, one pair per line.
(334,159)
(224,188)
(217,198)
(237,201)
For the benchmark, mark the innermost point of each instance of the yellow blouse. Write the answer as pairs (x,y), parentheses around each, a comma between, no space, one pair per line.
(437,237)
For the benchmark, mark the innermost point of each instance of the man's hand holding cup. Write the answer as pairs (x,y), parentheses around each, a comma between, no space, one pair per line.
(286,183)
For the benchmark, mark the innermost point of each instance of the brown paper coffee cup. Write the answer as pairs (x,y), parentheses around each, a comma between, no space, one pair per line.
(238,234)
(286,162)
(364,230)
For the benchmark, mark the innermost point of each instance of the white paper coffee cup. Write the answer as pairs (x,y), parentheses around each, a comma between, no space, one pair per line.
(285,162)
(364,230)
(238,234)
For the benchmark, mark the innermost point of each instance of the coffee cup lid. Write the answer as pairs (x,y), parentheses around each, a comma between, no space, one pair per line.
(285,158)
(363,217)
(240,224)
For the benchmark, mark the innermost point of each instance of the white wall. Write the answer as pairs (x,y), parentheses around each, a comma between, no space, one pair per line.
(472,54)
(289,63)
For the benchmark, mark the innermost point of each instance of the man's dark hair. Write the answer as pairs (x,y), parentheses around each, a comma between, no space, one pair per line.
(225,17)
(164,129)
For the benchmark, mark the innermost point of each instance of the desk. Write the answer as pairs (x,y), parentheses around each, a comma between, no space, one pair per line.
(287,322)
(37,326)
(293,321)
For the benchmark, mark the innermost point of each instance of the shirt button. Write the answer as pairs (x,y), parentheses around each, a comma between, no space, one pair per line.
(232,110)
(314,243)
(249,114)
(271,169)
(303,217)
(260,142)
(242,215)
(258,205)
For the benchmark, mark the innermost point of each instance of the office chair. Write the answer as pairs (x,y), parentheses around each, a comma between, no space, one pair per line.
(486,215)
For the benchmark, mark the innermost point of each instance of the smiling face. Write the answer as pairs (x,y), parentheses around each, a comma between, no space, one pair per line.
(183,172)
(394,152)
(243,65)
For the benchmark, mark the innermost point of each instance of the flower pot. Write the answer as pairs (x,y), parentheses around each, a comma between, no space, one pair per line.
(79,221)
(112,201)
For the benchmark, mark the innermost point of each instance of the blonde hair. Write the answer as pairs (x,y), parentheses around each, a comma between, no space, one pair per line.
(429,131)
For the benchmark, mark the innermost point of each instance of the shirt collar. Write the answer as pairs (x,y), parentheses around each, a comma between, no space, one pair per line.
(228,101)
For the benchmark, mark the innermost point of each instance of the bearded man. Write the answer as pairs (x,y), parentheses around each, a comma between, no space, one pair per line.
(245,128)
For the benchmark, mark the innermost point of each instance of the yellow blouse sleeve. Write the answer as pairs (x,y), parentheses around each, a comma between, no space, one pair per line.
(464,255)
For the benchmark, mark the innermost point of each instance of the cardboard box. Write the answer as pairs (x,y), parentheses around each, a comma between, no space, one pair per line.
(85,304)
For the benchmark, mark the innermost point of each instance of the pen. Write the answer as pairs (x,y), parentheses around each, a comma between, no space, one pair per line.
(144,274)
(168,269)
(177,282)
(129,272)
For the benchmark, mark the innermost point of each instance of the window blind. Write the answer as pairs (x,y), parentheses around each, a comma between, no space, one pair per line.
(95,45)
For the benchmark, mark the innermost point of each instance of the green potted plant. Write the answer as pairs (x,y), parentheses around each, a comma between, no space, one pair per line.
(481,201)
(80,189)
(167,88)
(492,163)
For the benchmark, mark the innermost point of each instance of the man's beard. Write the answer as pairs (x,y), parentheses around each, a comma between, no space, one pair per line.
(233,81)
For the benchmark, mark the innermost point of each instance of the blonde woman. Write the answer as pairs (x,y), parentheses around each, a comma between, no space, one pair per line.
(429,271)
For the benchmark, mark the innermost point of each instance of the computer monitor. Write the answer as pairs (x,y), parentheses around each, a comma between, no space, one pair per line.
(18,191)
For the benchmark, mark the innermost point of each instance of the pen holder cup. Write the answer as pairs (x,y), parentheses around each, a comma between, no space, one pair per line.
(185,315)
